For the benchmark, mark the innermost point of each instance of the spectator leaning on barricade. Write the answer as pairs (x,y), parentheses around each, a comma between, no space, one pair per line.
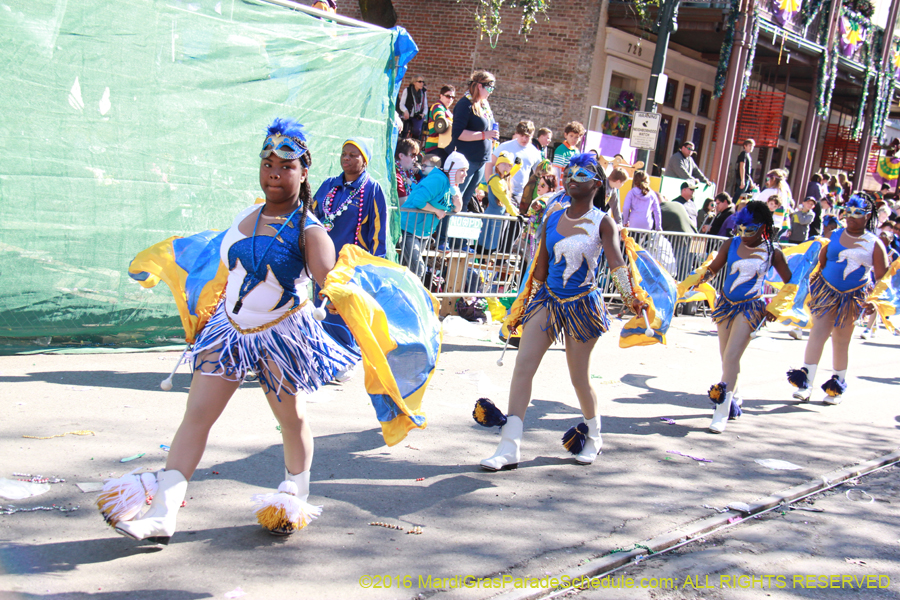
(413,108)
(676,218)
(724,209)
(440,120)
(574,133)
(408,173)
(707,214)
(641,207)
(541,141)
(519,147)
(615,181)
(434,194)
(743,175)
(682,165)
(686,199)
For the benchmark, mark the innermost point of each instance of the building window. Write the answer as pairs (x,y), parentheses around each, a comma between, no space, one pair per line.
(623,100)
(796,130)
(687,98)
(697,138)
(790,158)
(681,131)
(671,93)
(784,128)
(777,157)
(705,101)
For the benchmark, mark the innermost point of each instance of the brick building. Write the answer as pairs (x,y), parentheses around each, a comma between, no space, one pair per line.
(546,79)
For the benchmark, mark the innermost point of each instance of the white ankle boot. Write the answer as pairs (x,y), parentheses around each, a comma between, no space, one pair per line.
(158,524)
(720,414)
(802,394)
(508,454)
(592,443)
(302,481)
(287,510)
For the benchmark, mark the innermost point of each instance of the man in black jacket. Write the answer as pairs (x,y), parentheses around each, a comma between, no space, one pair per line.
(724,209)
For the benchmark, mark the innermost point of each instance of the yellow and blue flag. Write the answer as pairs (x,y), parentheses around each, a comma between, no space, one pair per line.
(886,295)
(655,286)
(394,319)
(691,290)
(192,269)
(791,305)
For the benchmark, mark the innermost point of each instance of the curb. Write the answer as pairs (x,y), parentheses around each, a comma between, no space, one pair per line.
(697,529)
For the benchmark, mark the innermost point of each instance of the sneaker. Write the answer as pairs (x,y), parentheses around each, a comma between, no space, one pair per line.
(796,333)
(802,395)
(345,375)
(443,248)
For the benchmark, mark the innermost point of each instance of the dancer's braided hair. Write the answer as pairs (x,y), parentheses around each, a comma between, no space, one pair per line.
(758,212)
(867,201)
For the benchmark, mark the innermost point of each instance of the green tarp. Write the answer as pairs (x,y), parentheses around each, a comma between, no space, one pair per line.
(124,123)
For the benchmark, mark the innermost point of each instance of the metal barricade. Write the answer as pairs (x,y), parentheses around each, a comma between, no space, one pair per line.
(468,254)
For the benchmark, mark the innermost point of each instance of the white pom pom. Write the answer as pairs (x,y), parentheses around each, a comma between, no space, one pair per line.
(499,362)
(754,335)
(166,384)
(289,487)
(320,313)
(648,333)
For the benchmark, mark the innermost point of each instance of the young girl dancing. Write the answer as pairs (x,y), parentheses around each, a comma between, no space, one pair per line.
(837,294)
(264,322)
(564,304)
(740,309)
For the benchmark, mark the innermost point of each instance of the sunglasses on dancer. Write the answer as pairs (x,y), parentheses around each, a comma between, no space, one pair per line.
(856,212)
(580,175)
(282,146)
(748,230)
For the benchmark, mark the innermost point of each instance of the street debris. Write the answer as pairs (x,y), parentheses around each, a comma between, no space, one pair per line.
(235,593)
(37,478)
(90,486)
(386,525)
(50,437)
(9,510)
(857,495)
(131,458)
(667,420)
(697,458)
(778,465)
(12,489)
(415,530)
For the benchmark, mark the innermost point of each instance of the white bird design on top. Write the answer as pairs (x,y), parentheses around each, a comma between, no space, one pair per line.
(754,265)
(581,247)
(859,255)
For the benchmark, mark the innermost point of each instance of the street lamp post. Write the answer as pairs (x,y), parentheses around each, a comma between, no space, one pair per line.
(666,25)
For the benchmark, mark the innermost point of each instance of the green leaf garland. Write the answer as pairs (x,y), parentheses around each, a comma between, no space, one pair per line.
(725,50)
(751,58)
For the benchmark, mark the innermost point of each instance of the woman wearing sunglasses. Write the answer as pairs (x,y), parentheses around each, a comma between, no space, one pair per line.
(740,309)
(473,130)
(263,323)
(564,304)
(837,294)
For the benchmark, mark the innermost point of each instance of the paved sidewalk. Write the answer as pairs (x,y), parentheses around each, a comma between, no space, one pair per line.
(545,517)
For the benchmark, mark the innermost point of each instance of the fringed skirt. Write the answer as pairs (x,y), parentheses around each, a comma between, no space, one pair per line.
(582,317)
(291,354)
(754,310)
(847,306)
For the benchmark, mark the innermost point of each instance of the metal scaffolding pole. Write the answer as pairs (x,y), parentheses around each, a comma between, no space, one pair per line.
(865,142)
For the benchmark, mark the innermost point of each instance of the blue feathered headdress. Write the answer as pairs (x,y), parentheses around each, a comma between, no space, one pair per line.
(830,220)
(745,217)
(857,201)
(288,128)
(286,138)
(586,159)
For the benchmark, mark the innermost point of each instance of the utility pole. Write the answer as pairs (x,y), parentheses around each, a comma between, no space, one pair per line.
(666,25)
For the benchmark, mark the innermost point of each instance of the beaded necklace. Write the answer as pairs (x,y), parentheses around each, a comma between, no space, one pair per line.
(332,215)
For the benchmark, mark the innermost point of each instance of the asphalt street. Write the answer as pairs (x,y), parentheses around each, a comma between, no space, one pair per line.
(547,516)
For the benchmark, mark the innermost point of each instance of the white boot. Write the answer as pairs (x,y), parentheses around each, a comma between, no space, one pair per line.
(720,414)
(803,394)
(592,443)
(302,481)
(837,398)
(508,454)
(158,524)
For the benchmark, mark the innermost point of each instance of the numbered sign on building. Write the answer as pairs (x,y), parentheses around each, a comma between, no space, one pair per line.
(644,130)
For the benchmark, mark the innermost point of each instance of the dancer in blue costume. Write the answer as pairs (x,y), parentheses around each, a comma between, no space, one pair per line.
(264,322)
(353,210)
(837,294)
(569,307)
(740,308)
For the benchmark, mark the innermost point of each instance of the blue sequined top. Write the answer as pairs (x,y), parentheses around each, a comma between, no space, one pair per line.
(848,267)
(574,250)
(744,277)
(269,283)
